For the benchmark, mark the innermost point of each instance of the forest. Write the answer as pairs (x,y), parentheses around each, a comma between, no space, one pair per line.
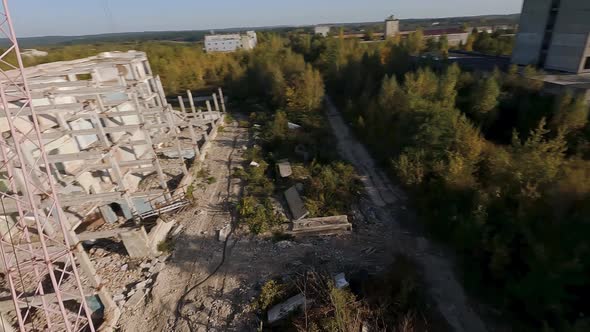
(495,168)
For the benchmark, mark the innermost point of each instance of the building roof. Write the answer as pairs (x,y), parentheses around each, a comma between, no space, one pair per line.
(581,81)
(438,32)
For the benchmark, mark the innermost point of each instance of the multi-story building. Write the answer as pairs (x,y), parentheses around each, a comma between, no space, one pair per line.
(391,27)
(230,42)
(323,30)
(554,35)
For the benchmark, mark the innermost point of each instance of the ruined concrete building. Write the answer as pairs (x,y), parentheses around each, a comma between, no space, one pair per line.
(118,151)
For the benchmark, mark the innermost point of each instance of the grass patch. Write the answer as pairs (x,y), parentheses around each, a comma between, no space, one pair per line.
(166,246)
(190,190)
(228,119)
(203,173)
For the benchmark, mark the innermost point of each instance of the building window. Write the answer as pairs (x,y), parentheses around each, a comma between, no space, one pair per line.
(587,63)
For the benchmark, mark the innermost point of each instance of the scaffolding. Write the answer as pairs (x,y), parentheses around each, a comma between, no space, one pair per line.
(77,137)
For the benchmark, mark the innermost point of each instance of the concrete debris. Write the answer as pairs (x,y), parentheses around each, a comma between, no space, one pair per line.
(223,233)
(124,267)
(118,297)
(281,310)
(284,168)
(284,244)
(135,299)
(157,268)
(177,230)
(142,285)
(340,281)
(296,206)
(321,226)
(299,186)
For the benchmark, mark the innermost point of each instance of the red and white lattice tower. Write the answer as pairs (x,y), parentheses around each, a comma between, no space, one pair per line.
(37,246)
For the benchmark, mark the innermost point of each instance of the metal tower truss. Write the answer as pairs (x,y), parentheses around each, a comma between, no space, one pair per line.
(40,251)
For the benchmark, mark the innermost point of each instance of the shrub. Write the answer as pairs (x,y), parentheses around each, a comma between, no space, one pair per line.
(271,293)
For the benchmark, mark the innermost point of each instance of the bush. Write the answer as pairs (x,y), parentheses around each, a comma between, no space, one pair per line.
(260,217)
(271,293)
(331,189)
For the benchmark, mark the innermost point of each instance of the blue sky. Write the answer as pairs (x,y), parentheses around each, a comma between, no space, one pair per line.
(77,17)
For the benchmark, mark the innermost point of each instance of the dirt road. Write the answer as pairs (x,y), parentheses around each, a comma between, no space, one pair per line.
(445,289)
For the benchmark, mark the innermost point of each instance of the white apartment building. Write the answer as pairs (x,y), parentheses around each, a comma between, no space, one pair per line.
(230,42)
(323,30)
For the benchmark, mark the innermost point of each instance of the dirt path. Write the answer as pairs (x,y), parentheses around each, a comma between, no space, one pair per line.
(445,289)
(190,293)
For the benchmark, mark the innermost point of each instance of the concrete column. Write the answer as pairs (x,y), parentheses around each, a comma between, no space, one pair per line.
(181,102)
(191,102)
(208,107)
(161,93)
(215,102)
(222,98)
(148,137)
(176,131)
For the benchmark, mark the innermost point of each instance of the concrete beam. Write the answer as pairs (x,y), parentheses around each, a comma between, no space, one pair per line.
(86,236)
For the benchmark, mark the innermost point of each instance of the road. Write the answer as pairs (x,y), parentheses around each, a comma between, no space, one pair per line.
(443,284)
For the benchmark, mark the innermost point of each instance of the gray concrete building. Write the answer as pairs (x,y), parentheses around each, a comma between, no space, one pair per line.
(391,27)
(554,35)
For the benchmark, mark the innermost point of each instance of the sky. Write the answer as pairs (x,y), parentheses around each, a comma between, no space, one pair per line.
(80,17)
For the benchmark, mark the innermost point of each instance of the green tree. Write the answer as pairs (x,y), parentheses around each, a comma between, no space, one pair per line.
(443,45)
(415,42)
(485,96)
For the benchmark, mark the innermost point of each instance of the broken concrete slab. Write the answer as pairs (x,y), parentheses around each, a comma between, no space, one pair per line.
(320,226)
(135,299)
(159,233)
(340,280)
(223,233)
(137,243)
(284,167)
(108,214)
(281,310)
(296,206)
